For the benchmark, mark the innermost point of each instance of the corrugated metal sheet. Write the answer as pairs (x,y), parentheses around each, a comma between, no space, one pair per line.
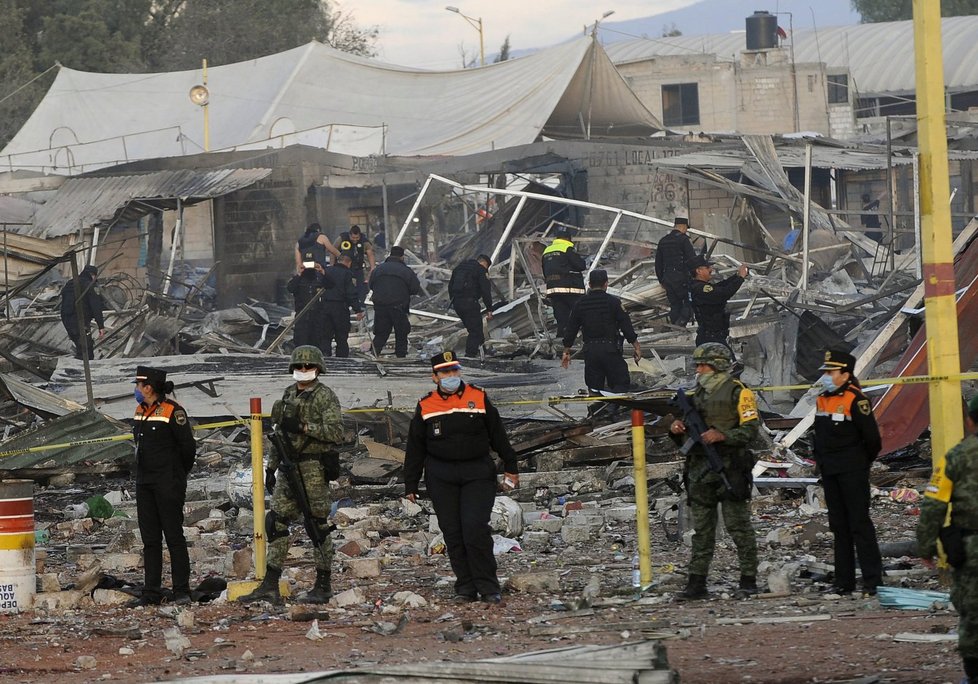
(85,202)
(43,402)
(879,56)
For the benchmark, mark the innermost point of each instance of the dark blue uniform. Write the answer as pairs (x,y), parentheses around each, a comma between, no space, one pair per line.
(470,283)
(603,324)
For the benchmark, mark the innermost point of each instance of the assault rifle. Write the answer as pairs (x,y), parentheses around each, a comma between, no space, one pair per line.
(695,427)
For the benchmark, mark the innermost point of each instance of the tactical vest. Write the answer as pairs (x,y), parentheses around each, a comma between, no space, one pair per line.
(720,409)
(310,243)
(557,273)
(355,250)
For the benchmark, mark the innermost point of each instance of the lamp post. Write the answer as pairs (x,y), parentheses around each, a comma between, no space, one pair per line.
(477,25)
(594,29)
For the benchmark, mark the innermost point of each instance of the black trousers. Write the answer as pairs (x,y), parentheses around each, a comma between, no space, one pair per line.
(462,493)
(704,335)
(71,327)
(309,328)
(562,305)
(336,326)
(470,312)
(680,309)
(361,285)
(847,498)
(605,368)
(159,509)
(386,319)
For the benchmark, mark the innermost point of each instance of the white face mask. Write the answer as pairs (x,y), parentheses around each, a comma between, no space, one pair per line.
(304,376)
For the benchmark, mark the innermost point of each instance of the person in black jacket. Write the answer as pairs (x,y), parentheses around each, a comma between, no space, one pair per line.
(847,441)
(449,439)
(604,323)
(165,451)
(674,256)
(308,286)
(315,241)
(89,308)
(710,301)
(354,245)
(340,296)
(563,273)
(392,283)
(470,283)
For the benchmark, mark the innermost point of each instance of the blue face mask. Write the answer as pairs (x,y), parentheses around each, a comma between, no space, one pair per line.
(139,396)
(450,384)
(828,384)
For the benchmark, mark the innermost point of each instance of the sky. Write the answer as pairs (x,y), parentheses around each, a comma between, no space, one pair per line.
(423,34)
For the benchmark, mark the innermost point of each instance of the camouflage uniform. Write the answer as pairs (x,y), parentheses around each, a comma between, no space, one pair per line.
(954,485)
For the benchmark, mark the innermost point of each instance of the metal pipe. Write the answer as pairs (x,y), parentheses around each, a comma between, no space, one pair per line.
(806,217)
(414,210)
(604,244)
(509,228)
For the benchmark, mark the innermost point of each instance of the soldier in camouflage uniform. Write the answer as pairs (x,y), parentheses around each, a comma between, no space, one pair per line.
(309,415)
(954,485)
(730,409)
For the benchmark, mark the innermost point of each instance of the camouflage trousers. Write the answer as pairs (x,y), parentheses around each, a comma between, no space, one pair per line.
(964,596)
(286,512)
(704,497)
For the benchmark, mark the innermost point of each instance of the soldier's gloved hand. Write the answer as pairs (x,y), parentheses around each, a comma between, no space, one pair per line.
(269,479)
(291,424)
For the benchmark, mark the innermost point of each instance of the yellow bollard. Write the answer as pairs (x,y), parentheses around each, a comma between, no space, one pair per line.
(258,486)
(641,498)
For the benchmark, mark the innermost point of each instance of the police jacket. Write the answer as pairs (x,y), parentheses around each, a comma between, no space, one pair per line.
(318,411)
(165,446)
(310,243)
(673,256)
(357,251)
(847,438)
(393,282)
(602,320)
(954,483)
(710,301)
(340,287)
(459,427)
(91,303)
(470,281)
(306,286)
(563,268)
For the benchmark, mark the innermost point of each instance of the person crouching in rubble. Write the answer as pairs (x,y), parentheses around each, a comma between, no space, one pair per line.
(165,451)
(847,440)
(309,415)
(449,439)
(730,411)
(954,486)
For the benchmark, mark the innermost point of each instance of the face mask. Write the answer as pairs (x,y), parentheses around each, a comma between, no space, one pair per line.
(828,384)
(304,376)
(139,396)
(709,381)
(450,384)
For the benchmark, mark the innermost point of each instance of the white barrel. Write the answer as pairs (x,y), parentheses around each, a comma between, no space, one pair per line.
(18,578)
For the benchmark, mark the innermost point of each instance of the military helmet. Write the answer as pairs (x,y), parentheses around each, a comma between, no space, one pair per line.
(306,355)
(714,354)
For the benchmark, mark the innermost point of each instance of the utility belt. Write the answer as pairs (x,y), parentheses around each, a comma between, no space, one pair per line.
(599,345)
(330,460)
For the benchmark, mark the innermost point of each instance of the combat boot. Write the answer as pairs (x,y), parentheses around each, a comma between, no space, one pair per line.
(320,592)
(267,590)
(748,586)
(695,588)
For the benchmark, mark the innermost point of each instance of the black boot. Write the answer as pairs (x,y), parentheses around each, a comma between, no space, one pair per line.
(695,588)
(267,590)
(321,592)
(748,586)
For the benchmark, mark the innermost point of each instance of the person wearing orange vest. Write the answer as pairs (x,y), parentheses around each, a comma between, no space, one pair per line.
(847,441)
(451,434)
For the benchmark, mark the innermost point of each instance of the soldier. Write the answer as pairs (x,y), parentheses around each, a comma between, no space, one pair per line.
(729,408)
(354,245)
(309,415)
(450,437)
(339,297)
(308,287)
(674,256)
(470,283)
(313,240)
(710,301)
(604,325)
(563,272)
(89,308)
(847,441)
(954,485)
(393,282)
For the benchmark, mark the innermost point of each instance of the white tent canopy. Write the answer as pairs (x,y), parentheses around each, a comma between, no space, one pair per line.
(347,104)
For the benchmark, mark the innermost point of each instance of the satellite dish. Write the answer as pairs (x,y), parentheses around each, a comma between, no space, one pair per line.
(199,95)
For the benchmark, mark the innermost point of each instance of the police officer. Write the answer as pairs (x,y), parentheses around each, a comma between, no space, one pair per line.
(710,301)
(730,409)
(674,256)
(470,283)
(309,415)
(393,283)
(604,323)
(165,452)
(954,485)
(339,297)
(847,441)
(563,273)
(354,245)
(89,308)
(450,437)
(308,287)
(313,240)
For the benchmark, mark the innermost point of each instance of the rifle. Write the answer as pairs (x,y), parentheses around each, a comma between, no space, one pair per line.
(695,427)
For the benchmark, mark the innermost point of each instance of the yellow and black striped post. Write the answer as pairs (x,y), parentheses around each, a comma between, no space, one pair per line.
(641,497)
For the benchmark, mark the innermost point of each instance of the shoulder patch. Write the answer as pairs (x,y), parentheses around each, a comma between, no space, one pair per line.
(864,407)
(707,288)
(180,417)
(746,406)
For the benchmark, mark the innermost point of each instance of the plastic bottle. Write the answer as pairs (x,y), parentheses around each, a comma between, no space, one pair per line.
(636,575)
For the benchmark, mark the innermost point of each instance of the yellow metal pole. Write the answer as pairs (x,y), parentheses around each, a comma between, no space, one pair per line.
(258,487)
(641,498)
(940,306)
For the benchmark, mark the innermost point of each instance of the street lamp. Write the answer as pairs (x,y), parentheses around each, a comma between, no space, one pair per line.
(594,30)
(477,25)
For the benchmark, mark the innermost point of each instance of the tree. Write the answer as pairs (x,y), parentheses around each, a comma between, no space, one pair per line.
(671,31)
(17,99)
(899,10)
(503,52)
